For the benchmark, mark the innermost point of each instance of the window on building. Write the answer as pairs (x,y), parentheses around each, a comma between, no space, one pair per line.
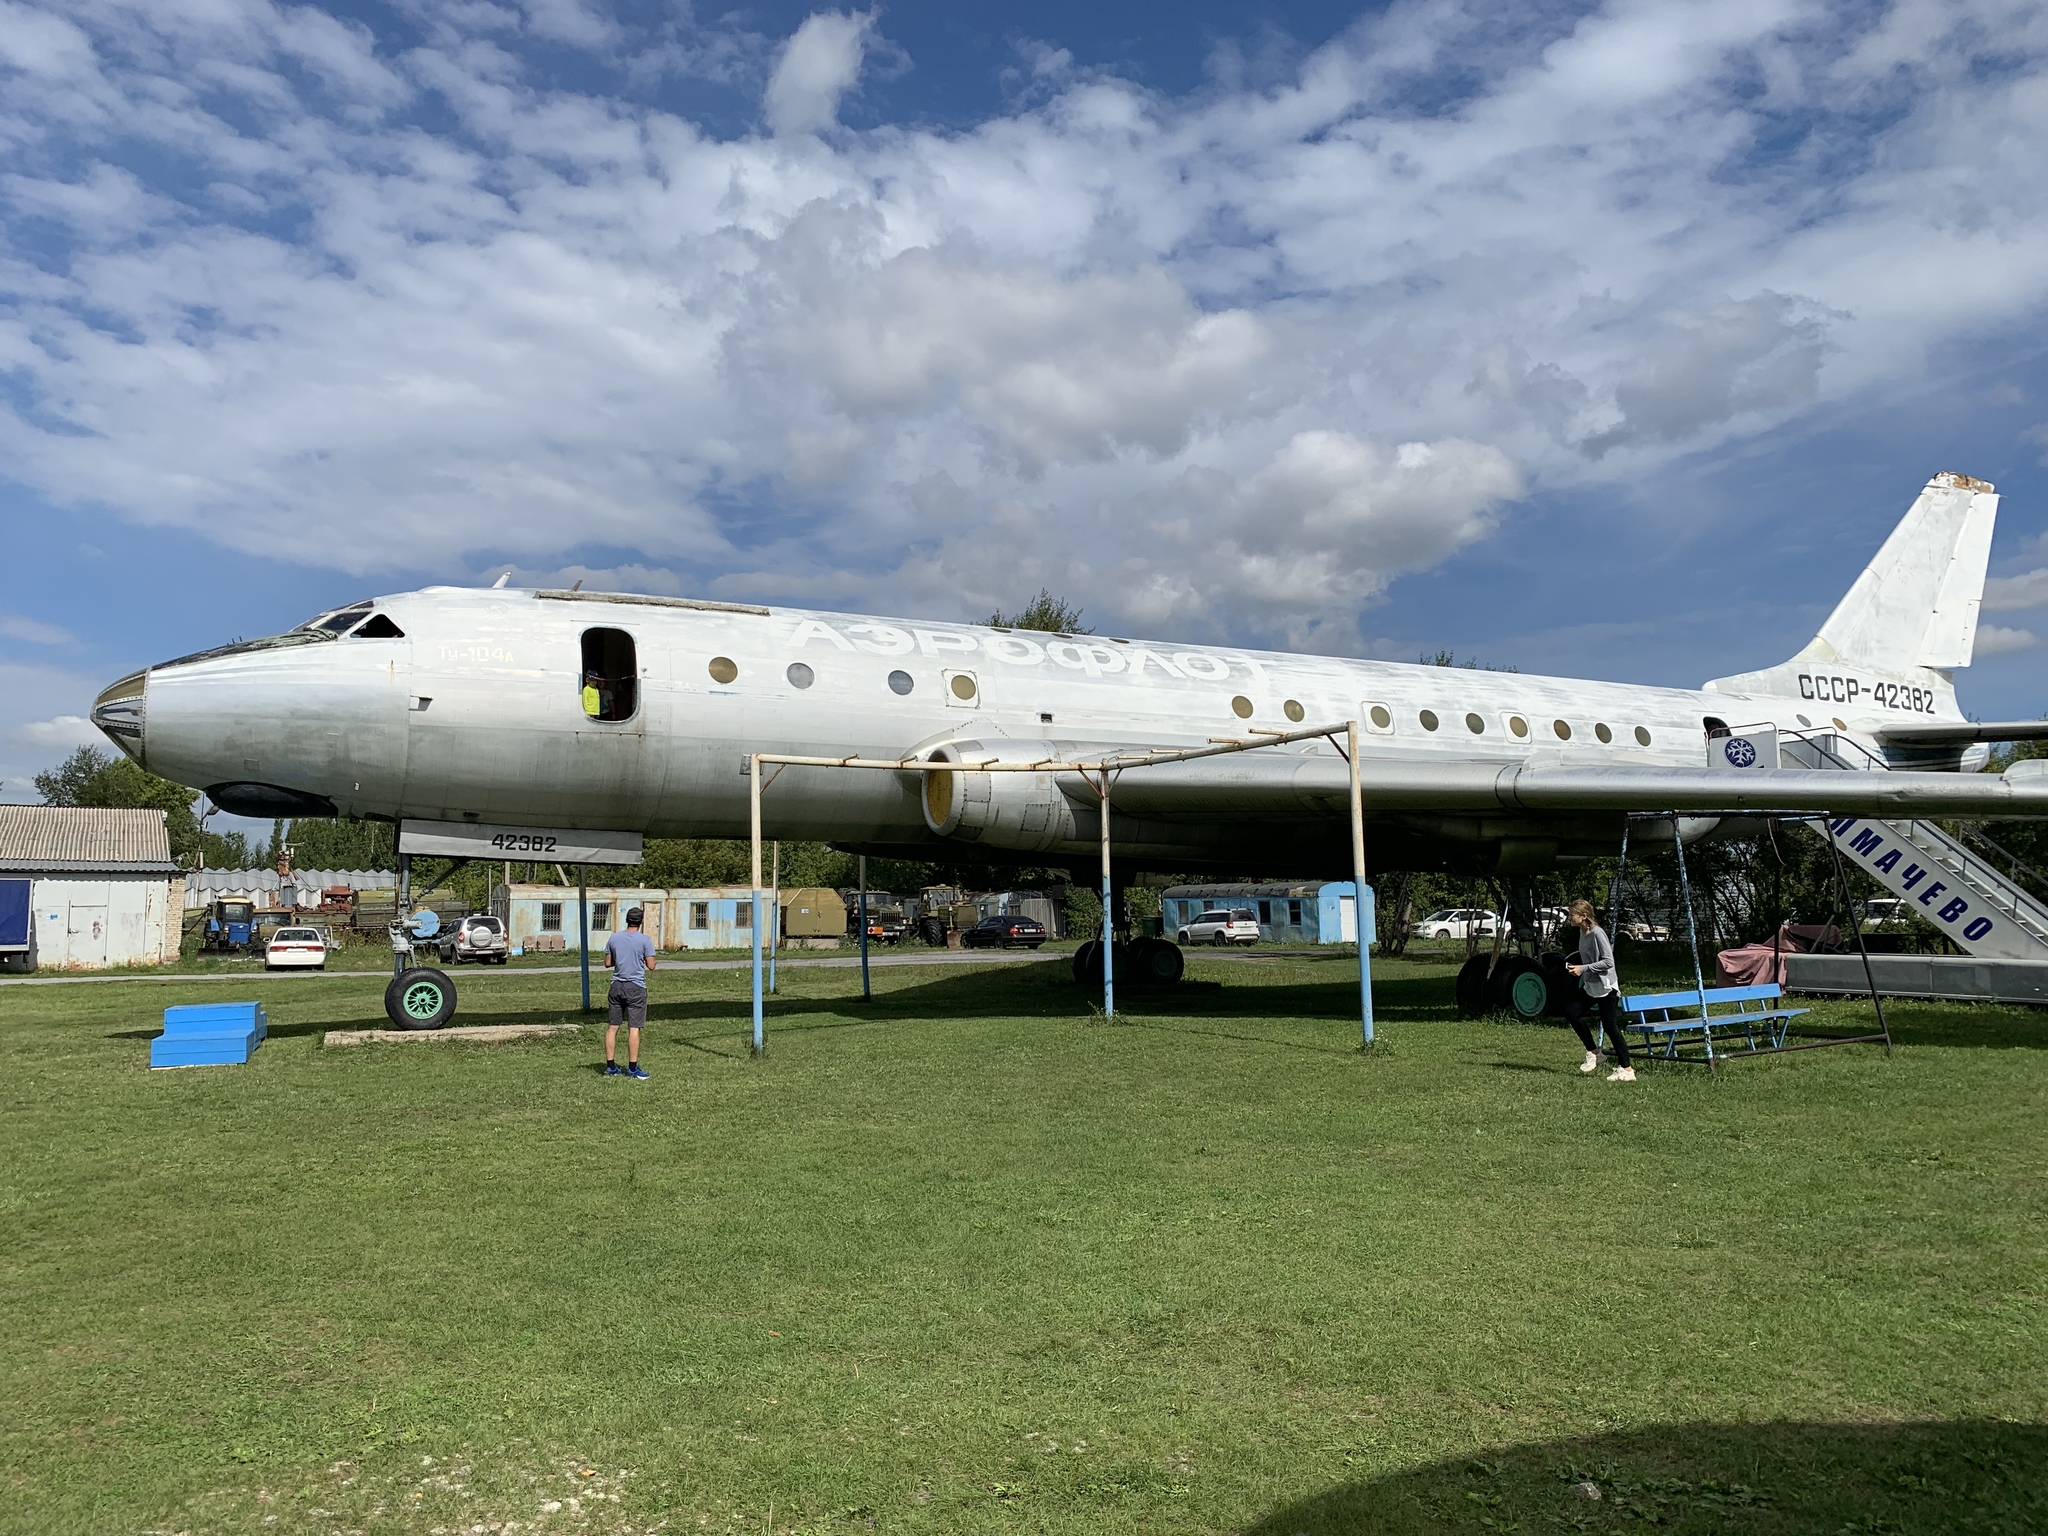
(700,915)
(743,913)
(601,916)
(1266,913)
(610,685)
(1294,913)
(551,917)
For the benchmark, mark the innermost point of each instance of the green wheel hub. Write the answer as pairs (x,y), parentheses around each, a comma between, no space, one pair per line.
(1529,994)
(423,1000)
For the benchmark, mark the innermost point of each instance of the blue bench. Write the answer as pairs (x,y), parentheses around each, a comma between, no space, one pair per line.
(1666,1021)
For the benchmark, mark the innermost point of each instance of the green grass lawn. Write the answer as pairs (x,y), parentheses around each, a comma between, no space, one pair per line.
(966,1258)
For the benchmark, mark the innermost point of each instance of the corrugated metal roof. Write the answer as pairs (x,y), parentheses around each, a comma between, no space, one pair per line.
(68,839)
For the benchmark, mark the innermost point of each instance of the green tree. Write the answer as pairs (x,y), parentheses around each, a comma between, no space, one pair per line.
(92,778)
(1043,612)
(327,843)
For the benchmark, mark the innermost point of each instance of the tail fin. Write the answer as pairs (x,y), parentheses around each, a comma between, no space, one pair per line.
(1911,617)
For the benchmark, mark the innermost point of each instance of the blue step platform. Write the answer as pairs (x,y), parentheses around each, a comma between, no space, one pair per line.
(209,1035)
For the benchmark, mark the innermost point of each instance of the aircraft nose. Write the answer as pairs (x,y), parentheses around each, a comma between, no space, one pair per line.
(120,711)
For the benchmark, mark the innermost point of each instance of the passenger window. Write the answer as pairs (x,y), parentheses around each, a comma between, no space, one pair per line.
(611,675)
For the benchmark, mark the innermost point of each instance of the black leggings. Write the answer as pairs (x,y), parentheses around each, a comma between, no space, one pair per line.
(1610,1019)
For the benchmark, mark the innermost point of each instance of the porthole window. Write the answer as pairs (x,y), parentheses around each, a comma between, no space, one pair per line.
(1428,719)
(1563,729)
(1518,727)
(963,686)
(1241,707)
(1381,718)
(723,669)
(1642,736)
(800,675)
(1603,733)
(899,682)
(1476,724)
(611,675)
(1293,710)
(1841,725)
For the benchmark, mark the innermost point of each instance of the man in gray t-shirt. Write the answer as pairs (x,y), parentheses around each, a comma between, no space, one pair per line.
(630,956)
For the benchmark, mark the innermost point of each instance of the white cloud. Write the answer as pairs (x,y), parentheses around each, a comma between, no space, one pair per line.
(61,733)
(1994,640)
(429,299)
(17,626)
(819,65)
(2029,589)
(42,718)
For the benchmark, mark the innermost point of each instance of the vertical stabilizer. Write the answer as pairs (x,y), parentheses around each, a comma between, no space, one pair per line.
(1912,615)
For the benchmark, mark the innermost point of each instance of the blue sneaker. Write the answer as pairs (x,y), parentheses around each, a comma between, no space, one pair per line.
(634,1071)
(613,1069)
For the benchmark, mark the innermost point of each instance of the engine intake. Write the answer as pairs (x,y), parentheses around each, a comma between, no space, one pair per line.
(1024,811)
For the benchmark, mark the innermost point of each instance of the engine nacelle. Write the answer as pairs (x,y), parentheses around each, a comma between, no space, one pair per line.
(1023,811)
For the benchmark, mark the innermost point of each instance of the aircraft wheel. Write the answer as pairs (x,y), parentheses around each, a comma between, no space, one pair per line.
(1088,963)
(1471,988)
(1154,962)
(420,997)
(1519,987)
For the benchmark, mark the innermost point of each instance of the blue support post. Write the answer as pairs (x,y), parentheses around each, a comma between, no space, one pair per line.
(865,991)
(760,1040)
(1358,912)
(775,906)
(1692,936)
(583,929)
(1108,936)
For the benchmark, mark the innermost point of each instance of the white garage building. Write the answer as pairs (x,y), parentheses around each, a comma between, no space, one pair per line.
(101,885)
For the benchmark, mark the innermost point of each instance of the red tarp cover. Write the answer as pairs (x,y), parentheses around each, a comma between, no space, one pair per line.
(1754,965)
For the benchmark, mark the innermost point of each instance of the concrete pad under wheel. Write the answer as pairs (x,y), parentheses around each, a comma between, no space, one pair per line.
(476,1034)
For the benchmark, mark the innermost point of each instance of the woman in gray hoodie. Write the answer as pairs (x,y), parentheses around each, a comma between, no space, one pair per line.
(1597,981)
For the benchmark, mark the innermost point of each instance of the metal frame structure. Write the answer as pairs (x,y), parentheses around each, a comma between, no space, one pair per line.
(1104,771)
(1710,1058)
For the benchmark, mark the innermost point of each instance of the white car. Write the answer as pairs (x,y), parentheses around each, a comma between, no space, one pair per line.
(1220,927)
(1457,923)
(481,939)
(290,948)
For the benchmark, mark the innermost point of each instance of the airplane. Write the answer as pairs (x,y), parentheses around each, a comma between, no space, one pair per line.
(552,709)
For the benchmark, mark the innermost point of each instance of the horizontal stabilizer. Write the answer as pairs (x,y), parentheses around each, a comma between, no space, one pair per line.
(1960,732)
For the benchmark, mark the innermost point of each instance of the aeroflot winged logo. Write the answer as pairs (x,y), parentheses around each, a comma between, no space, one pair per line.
(1740,751)
(1096,658)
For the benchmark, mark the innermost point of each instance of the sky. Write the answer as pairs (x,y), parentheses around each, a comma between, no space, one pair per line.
(1601,339)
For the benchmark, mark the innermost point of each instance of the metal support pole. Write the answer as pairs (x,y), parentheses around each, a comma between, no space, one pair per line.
(1692,937)
(404,914)
(866,991)
(583,929)
(775,908)
(1108,923)
(1827,829)
(754,896)
(1358,893)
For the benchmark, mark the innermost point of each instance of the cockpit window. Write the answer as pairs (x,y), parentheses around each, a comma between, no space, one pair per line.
(339,621)
(379,627)
(611,675)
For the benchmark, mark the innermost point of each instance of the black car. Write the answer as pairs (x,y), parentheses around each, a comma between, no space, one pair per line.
(1003,933)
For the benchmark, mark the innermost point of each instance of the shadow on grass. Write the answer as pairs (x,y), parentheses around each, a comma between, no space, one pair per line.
(1974,1476)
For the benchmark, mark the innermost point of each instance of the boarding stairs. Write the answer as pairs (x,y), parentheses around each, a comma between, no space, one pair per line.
(1949,883)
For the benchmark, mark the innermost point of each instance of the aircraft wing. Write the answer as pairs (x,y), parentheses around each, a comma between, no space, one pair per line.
(1277,785)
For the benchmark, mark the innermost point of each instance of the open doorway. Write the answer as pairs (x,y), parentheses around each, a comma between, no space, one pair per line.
(611,675)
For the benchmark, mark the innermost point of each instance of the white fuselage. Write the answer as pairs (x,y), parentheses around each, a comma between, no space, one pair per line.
(477,713)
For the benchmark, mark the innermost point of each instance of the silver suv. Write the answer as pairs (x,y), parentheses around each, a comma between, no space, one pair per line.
(1239,926)
(481,939)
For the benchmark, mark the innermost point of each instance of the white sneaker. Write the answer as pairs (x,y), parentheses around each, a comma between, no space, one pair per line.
(1591,1063)
(1622,1075)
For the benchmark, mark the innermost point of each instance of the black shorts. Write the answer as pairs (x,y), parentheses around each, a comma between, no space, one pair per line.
(628,1001)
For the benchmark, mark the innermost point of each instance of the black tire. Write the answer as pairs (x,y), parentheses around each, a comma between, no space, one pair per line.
(1183,936)
(1156,963)
(1518,988)
(420,997)
(1217,939)
(1471,988)
(1088,964)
